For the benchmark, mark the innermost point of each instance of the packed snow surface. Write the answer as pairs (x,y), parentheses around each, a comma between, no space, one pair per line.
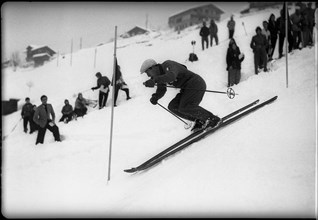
(260,166)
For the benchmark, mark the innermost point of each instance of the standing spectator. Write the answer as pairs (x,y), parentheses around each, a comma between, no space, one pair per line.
(296,25)
(231,27)
(120,84)
(27,113)
(311,21)
(67,112)
(281,30)
(305,29)
(259,44)
(272,27)
(44,116)
(204,33)
(213,32)
(103,86)
(234,57)
(267,34)
(80,108)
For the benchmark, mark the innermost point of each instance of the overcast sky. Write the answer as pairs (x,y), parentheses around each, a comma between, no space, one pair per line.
(56,23)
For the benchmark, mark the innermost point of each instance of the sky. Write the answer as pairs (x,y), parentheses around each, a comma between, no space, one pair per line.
(58,24)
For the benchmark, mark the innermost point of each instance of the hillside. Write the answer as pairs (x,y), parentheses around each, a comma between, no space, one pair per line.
(261,166)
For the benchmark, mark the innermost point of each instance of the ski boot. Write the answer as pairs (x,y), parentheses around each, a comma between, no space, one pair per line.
(212,123)
(198,125)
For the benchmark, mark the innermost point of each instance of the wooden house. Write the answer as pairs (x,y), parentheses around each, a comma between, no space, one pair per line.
(39,54)
(9,106)
(134,31)
(194,16)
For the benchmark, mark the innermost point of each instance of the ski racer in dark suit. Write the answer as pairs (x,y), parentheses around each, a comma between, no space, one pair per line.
(186,103)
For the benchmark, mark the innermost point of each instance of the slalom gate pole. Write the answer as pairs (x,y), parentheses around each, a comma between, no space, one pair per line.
(286,40)
(230,92)
(112,109)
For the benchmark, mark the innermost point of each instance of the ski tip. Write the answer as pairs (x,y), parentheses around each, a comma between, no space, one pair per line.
(132,170)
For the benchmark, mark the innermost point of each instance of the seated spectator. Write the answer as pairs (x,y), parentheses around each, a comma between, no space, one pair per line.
(67,112)
(80,108)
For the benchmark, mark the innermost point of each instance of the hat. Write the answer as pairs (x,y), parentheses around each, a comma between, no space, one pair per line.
(147,64)
(98,74)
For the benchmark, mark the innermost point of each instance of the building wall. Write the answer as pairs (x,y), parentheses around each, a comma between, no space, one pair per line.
(194,16)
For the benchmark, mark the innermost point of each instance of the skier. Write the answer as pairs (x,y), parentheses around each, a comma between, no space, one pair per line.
(44,116)
(102,84)
(186,103)
(67,112)
(204,33)
(120,84)
(27,115)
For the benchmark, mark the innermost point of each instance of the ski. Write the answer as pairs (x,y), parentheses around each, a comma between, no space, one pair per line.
(134,169)
(205,133)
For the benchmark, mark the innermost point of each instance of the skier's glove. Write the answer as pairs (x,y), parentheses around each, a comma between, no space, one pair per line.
(150,83)
(154,99)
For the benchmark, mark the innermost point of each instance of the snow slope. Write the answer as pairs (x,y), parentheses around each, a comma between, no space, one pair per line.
(261,166)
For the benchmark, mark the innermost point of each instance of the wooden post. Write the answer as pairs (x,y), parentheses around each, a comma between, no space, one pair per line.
(286,42)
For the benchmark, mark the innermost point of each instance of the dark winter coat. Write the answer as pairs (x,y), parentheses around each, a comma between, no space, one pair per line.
(231,24)
(296,21)
(67,109)
(102,81)
(119,81)
(41,116)
(174,74)
(273,28)
(27,110)
(259,43)
(213,28)
(232,58)
(204,32)
(281,24)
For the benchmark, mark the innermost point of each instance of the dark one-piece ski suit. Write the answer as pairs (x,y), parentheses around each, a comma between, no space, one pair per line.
(186,103)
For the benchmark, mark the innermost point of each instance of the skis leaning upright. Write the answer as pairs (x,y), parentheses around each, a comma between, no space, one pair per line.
(192,138)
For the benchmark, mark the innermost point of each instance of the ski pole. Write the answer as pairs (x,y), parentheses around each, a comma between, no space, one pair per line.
(230,92)
(186,126)
(244,28)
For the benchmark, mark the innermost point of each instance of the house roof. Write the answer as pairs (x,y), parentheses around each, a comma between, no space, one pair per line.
(199,6)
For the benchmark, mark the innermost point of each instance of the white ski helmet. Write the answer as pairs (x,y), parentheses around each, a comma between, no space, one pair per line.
(147,64)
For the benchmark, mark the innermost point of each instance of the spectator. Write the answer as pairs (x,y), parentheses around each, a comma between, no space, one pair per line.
(272,27)
(27,115)
(259,44)
(80,108)
(67,112)
(267,34)
(120,84)
(204,33)
(213,32)
(305,29)
(234,57)
(44,116)
(102,84)
(281,30)
(311,21)
(231,27)
(296,25)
